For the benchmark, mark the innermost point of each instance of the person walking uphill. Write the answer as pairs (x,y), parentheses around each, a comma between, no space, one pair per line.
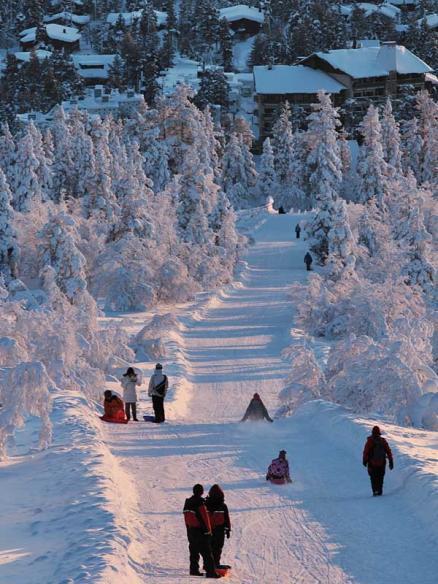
(220,522)
(129,382)
(308,261)
(375,453)
(199,533)
(158,385)
(298,230)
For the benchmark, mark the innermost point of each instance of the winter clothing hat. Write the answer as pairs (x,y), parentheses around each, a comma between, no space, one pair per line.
(198,489)
(256,396)
(108,393)
(216,493)
(376,431)
(282,453)
(158,366)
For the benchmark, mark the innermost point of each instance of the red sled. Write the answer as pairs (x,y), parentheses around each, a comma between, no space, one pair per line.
(278,481)
(113,420)
(223,572)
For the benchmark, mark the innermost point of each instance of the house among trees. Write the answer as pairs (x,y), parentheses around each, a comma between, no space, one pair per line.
(242,19)
(297,84)
(66,18)
(56,35)
(130,18)
(362,74)
(93,68)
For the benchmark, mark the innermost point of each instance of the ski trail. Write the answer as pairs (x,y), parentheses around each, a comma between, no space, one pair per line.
(317,530)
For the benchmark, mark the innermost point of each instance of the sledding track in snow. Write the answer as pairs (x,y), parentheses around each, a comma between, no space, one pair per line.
(324,528)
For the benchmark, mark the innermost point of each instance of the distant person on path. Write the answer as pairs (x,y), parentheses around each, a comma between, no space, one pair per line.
(281,211)
(158,385)
(256,410)
(298,230)
(278,470)
(220,522)
(112,407)
(199,533)
(129,382)
(375,453)
(308,261)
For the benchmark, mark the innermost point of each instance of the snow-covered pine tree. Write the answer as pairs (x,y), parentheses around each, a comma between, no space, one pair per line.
(266,180)
(372,170)
(428,127)
(391,141)
(59,250)
(418,269)
(341,257)
(243,130)
(412,147)
(156,161)
(7,153)
(9,250)
(44,171)
(26,186)
(234,176)
(62,155)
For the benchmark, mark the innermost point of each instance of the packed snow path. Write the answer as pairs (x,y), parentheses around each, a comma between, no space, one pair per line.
(325,527)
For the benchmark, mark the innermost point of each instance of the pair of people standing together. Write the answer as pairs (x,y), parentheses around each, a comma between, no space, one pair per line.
(157,390)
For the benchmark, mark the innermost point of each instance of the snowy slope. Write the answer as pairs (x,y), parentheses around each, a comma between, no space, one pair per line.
(324,527)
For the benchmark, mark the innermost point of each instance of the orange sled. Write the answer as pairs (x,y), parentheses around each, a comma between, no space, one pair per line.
(113,420)
(223,571)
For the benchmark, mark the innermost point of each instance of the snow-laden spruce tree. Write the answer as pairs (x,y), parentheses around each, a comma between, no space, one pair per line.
(197,199)
(341,256)
(9,250)
(62,167)
(243,130)
(418,270)
(234,177)
(372,170)
(223,224)
(347,172)
(7,153)
(59,250)
(156,161)
(391,141)
(102,202)
(412,147)
(44,172)
(266,180)
(428,128)
(26,186)
(85,169)
(210,145)
(325,168)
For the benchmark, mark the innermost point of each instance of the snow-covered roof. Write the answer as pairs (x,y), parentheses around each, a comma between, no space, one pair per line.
(129,17)
(65,15)
(241,11)
(57,32)
(39,53)
(287,79)
(93,66)
(403,2)
(374,61)
(387,9)
(431,20)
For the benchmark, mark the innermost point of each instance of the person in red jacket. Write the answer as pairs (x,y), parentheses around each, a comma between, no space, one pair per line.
(113,407)
(220,522)
(199,533)
(375,453)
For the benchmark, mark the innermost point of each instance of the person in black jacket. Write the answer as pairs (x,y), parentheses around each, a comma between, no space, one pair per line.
(298,230)
(220,522)
(256,410)
(308,261)
(199,533)
(375,453)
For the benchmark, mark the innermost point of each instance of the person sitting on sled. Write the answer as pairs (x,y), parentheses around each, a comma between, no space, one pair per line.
(256,410)
(113,407)
(278,470)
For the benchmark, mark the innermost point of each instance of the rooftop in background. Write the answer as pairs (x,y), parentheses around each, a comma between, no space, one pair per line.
(129,17)
(387,9)
(431,20)
(39,53)
(374,61)
(93,66)
(241,12)
(57,32)
(79,19)
(288,79)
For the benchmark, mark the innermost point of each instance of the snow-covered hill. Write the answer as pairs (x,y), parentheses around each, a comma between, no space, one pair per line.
(79,513)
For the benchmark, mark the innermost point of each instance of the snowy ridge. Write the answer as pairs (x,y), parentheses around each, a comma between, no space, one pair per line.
(64,511)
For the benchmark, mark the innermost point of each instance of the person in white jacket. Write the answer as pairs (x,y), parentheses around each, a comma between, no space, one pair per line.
(129,382)
(158,385)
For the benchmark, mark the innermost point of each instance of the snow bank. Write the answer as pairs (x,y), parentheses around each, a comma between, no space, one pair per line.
(68,513)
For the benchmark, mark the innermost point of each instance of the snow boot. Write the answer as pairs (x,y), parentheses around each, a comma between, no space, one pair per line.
(213,575)
(224,567)
(198,573)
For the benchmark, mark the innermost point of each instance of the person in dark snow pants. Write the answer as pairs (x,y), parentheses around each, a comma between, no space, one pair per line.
(298,230)
(220,522)
(256,410)
(308,261)
(199,534)
(158,386)
(375,453)
(129,382)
